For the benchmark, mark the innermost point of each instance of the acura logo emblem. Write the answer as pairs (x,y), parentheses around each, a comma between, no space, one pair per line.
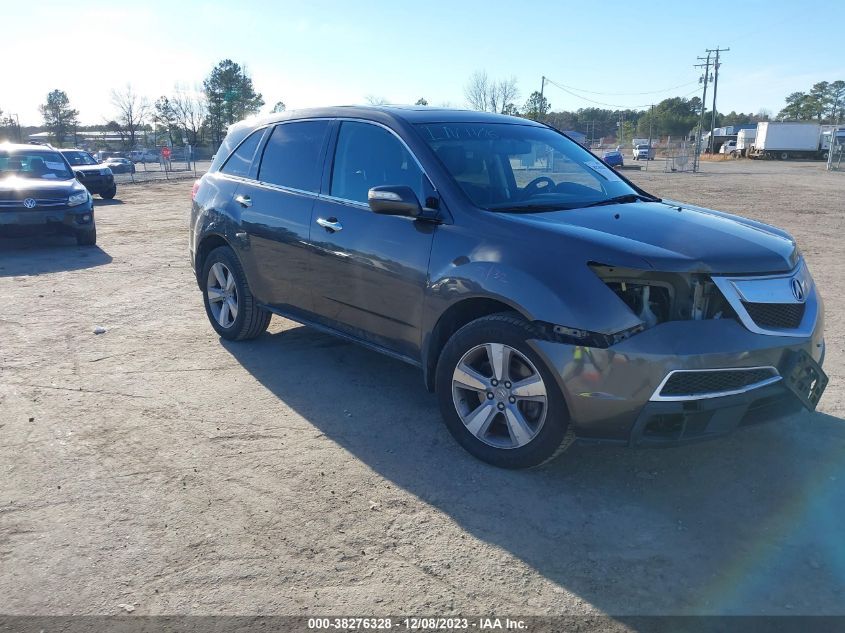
(798,290)
(29,203)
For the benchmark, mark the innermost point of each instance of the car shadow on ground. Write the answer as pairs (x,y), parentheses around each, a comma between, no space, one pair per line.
(102,202)
(39,254)
(750,523)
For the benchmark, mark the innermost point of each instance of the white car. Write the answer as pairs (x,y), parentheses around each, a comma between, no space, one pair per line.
(728,148)
(644,152)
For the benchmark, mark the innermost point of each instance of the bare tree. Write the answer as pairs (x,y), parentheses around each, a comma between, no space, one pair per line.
(188,113)
(132,110)
(489,95)
(375,100)
(504,94)
(477,91)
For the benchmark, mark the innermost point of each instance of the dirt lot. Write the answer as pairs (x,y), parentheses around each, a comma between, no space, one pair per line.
(157,466)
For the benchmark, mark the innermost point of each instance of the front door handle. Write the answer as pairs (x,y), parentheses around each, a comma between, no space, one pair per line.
(244,201)
(331,224)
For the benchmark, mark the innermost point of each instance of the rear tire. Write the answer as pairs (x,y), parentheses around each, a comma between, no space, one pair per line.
(87,237)
(518,420)
(111,193)
(232,310)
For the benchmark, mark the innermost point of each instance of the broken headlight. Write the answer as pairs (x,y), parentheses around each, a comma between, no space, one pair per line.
(656,297)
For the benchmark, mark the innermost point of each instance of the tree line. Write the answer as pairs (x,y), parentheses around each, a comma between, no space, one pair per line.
(824,103)
(192,117)
(675,116)
(202,116)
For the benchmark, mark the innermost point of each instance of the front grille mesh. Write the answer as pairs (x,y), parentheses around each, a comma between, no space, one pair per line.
(785,316)
(698,383)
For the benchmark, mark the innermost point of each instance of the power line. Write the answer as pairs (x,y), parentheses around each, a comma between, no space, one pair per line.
(618,94)
(612,105)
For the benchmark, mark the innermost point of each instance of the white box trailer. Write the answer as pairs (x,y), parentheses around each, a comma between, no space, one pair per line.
(744,140)
(784,140)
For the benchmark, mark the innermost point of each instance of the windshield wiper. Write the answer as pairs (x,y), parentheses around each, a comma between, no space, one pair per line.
(628,197)
(529,208)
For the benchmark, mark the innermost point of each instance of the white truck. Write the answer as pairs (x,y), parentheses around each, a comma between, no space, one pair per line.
(784,140)
(744,141)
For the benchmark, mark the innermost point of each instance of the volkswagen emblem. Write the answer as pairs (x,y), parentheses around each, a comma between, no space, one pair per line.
(29,203)
(798,289)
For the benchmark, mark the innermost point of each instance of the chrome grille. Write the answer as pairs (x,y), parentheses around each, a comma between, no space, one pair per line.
(40,203)
(710,383)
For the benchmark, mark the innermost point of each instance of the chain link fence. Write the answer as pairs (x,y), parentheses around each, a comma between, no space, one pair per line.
(163,169)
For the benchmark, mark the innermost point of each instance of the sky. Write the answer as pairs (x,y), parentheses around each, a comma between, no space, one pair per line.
(315,52)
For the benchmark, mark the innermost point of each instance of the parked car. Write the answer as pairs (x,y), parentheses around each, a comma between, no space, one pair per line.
(542,304)
(728,148)
(614,158)
(144,156)
(96,177)
(39,193)
(643,152)
(120,165)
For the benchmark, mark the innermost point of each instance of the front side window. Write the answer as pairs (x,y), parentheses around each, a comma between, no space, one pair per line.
(292,155)
(369,156)
(240,161)
(34,164)
(521,168)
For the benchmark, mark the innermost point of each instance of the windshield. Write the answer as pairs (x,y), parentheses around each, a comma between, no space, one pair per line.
(33,164)
(511,167)
(79,158)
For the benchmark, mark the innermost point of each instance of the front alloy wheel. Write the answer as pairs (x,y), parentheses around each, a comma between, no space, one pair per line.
(498,398)
(499,395)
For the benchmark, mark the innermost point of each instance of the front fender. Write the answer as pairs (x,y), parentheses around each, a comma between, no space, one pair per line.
(540,284)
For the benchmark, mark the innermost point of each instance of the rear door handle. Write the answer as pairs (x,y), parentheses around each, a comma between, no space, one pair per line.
(331,224)
(244,201)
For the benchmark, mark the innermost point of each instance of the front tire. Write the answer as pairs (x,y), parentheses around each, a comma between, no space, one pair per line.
(87,237)
(498,398)
(111,193)
(232,310)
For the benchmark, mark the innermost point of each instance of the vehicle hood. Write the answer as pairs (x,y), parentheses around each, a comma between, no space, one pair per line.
(20,188)
(672,237)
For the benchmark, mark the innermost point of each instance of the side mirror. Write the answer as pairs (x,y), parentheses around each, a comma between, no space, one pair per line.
(394,200)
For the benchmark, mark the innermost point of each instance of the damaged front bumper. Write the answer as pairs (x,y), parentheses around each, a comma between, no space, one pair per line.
(617,394)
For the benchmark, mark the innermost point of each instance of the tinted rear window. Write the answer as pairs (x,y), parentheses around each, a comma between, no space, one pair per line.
(292,155)
(240,161)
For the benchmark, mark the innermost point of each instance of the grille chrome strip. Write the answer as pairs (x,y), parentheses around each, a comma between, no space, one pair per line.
(773,378)
(735,289)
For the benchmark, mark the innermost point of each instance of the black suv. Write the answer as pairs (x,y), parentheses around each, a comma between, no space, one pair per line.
(39,192)
(544,296)
(96,177)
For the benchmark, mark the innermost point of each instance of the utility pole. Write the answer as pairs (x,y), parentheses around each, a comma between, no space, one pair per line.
(716,65)
(650,127)
(698,134)
(18,119)
(542,98)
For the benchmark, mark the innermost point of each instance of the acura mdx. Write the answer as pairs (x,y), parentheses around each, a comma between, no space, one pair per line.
(543,295)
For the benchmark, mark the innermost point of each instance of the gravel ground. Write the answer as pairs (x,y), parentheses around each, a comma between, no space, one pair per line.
(157,466)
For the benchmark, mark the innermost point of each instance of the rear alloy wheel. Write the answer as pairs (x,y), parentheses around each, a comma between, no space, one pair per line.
(232,310)
(497,397)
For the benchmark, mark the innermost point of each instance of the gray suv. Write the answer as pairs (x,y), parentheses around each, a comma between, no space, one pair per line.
(543,295)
